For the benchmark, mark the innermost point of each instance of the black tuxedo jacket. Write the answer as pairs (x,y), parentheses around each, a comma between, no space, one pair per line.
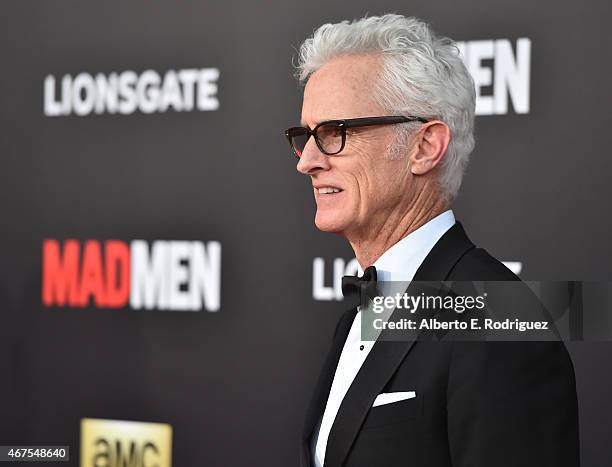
(478,404)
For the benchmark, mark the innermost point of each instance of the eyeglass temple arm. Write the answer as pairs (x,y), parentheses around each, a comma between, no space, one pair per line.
(370,121)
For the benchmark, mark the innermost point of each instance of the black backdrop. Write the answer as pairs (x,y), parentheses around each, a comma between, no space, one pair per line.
(234,383)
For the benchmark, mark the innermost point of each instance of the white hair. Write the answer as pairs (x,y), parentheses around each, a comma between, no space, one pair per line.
(422,75)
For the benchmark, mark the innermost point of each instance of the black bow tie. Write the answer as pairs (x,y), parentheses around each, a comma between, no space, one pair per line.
(354,287)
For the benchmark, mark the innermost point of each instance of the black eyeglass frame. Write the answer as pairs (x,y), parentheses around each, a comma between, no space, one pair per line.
(293,132)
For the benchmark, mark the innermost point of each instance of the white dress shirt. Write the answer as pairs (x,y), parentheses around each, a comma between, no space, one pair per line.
(398,264)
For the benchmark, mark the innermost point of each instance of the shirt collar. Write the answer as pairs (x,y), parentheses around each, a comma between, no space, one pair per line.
(401,261)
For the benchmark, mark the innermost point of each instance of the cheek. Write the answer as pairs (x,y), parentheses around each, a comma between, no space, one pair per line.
(363,182)
(373,175)
(389,183)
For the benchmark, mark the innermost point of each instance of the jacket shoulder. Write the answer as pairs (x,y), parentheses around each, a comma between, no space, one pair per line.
(478,265)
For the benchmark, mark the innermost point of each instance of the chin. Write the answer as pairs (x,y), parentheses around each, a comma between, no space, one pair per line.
(330,223)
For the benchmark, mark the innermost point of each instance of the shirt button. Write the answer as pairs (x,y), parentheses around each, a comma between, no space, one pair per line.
(361,347)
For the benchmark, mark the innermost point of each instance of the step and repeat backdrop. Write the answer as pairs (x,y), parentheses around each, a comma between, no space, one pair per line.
(165,296)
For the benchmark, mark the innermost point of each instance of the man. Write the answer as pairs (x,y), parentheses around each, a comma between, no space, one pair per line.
(387,128)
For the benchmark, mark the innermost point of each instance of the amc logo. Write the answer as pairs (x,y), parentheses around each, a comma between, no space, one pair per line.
(116,443)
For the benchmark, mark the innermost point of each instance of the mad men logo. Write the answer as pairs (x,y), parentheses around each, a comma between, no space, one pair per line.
(499,73)
(166,275)
(127,91)
(115,443)
(324,289)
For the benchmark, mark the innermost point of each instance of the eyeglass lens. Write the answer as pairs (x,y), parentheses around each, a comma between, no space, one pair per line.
(329,137)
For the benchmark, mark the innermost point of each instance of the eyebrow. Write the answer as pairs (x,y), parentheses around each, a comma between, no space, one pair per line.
(304,124)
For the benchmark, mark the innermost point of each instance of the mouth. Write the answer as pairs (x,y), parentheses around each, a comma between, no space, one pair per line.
(327,190)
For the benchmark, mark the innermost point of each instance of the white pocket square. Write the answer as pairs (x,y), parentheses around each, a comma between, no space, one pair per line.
(389,397)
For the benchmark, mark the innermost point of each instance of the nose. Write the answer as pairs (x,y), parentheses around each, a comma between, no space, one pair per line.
(312,160)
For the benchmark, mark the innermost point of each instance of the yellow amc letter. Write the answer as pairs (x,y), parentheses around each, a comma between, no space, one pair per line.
(117,443)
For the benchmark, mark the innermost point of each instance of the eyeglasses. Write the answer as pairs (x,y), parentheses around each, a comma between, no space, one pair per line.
(330,135)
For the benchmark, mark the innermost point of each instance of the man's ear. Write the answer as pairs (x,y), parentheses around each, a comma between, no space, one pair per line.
(432,140)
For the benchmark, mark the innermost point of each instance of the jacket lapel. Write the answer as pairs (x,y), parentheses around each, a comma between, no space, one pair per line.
(321,391)
(385,357)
